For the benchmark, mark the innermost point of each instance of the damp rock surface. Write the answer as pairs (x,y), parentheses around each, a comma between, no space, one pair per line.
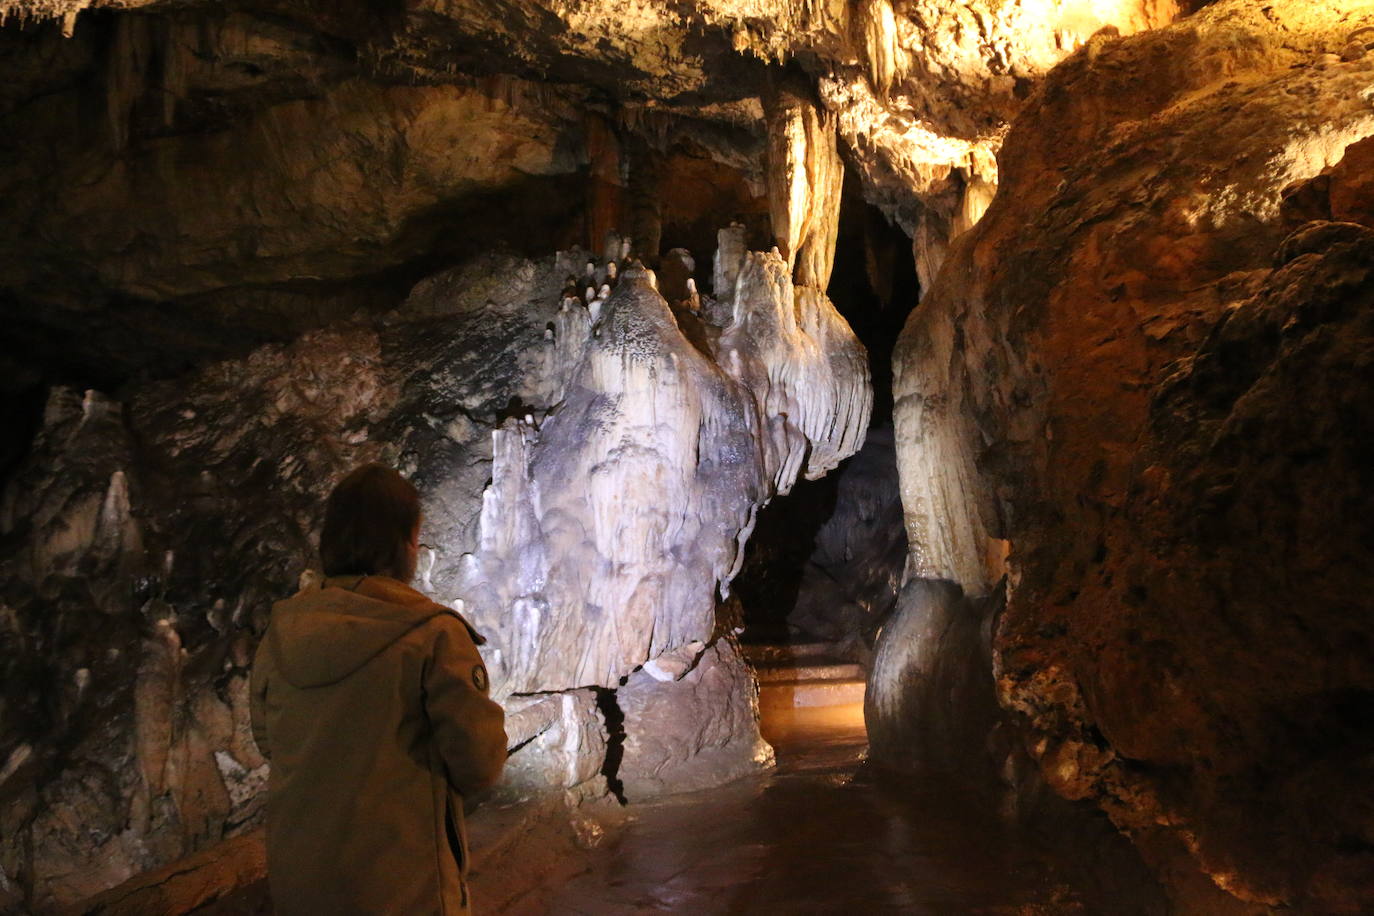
(692,732)
(192,180)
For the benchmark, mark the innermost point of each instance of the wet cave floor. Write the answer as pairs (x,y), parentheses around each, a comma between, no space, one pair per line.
(823,833)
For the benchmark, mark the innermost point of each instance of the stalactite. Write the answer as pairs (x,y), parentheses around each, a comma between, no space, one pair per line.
(805,176)
(880,45)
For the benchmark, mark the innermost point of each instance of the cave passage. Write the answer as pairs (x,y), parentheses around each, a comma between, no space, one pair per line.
(1047,593)
(822,833)
(810,536)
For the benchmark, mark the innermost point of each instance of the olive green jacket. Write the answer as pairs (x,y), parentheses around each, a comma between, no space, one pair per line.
(371,702)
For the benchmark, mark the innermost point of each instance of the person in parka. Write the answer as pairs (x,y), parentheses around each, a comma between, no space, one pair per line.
(370,700)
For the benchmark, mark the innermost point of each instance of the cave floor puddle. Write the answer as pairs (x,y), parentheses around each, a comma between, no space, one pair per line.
(820,834)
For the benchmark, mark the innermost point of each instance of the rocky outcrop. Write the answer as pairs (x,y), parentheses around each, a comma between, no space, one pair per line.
(930,704)
(1112,373)
(589,473)
(689,723)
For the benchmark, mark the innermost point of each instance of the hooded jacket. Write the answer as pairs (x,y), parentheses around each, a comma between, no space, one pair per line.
(371,702)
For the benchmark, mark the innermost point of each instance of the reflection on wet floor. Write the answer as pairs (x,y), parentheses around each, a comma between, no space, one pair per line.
(821,834)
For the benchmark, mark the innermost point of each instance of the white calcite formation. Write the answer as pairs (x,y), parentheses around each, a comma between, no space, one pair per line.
(606,527)
(588,484)
(614,524)
(808,371)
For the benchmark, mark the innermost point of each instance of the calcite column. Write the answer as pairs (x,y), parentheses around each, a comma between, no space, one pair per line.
(605,184)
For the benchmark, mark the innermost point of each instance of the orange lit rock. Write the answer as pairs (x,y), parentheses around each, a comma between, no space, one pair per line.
(1112,373)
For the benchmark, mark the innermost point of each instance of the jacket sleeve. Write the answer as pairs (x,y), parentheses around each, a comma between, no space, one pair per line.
(468,727)
(257,697)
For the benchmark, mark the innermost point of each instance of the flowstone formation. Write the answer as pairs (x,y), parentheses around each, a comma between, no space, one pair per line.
(1148,370)
(589,472)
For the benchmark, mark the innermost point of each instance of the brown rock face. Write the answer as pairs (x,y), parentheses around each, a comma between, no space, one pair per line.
(1166,411)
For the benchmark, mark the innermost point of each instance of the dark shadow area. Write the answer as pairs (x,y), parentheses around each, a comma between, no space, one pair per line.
(21,416)
(698,197)
(73,332)
(777,551)
(615,741)
(874,286)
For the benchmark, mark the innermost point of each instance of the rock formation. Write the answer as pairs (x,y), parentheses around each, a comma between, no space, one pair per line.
(849,583)
(1122,371)
(188,179)
(243,248)
(587,487)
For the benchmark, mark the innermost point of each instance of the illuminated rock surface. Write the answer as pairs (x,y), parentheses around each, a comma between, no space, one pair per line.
(1126,371)
(289,238)
(586,535)
(190,180)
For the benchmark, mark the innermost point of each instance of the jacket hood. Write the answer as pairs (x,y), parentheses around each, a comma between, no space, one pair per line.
(324,633)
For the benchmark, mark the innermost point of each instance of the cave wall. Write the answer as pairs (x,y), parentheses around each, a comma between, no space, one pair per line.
(183,184)
(1125,371)
(1108,377)
(151,533)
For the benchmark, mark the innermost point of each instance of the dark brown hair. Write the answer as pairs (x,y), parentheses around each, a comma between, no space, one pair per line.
(368,524)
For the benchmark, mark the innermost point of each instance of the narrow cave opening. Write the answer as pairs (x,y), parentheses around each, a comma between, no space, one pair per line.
(614,718)
(824,561)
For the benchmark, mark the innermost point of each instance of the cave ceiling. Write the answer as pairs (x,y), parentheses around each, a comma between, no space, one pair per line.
(182,181)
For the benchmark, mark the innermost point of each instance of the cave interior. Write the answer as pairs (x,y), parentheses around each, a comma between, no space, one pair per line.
(903,455)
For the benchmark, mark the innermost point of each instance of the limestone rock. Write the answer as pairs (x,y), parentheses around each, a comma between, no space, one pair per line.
(850,582)
(191,183)
(1110,373)
(588,487)
(695,732)
(557,740)
(672,666)
(790,346)
(805,176)
(661,444)
(930,704)
(194,180)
